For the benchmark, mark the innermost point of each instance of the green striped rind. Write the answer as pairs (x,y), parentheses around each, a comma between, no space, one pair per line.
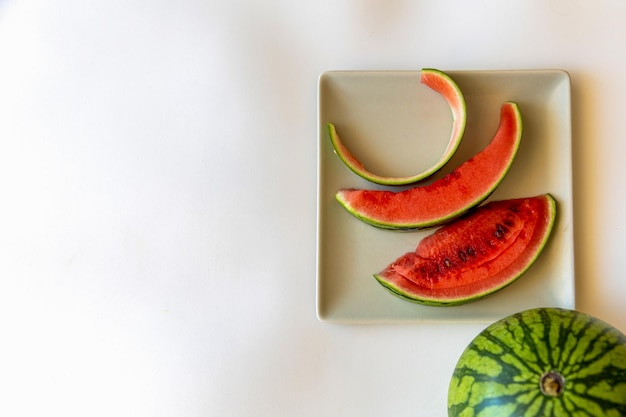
(499,373)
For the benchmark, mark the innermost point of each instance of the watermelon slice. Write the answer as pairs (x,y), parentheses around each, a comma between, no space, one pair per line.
(444,85)
(436,203)
(475,255)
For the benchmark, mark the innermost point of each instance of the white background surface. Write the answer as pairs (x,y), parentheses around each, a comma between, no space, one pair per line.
(158,180)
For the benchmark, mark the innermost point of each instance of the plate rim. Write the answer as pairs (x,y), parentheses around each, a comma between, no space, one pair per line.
(327,317)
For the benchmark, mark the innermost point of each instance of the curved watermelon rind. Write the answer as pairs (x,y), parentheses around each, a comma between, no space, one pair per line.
(439,220)
(459,116)
(522,269)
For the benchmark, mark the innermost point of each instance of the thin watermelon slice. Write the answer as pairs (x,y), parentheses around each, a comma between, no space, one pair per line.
(475,255)
(449,197)
(444,85)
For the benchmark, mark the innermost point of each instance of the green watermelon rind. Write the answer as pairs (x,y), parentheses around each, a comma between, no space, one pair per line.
(439,302)
(436,221)
(501,368)
(459,115)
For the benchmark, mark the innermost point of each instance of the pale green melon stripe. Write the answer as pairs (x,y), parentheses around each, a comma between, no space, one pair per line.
(594,406)
(529,334)
(594,354)
(505,343)
(551,331)
(568,340)
(588,338)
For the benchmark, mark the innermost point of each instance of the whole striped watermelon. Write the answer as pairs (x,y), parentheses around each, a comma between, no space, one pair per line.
(542,362)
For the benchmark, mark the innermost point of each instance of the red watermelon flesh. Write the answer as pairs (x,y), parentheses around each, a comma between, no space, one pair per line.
(449,197)
(475,255)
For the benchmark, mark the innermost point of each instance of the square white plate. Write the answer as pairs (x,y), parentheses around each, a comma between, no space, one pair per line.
(395,125)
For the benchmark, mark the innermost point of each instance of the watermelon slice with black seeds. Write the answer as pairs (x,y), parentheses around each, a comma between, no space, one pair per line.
(475,255)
